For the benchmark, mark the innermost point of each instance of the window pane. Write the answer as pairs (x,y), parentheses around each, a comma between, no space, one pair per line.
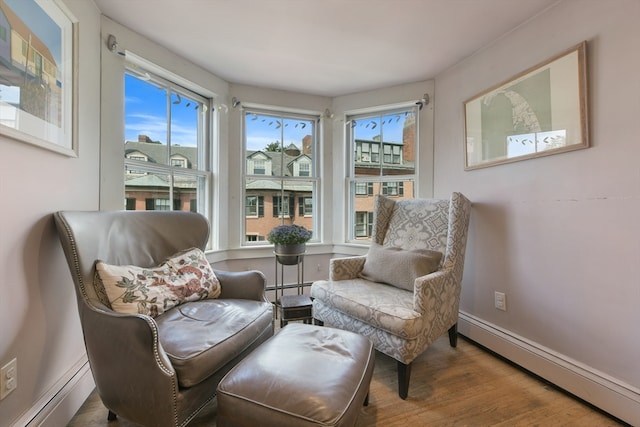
(188,190)
(161,204)
(259,208)
(383,148)
(145,120)
(397,189)
(270,202)
(301,194)
(185,112)
(165,137)
(142,191)
(367,139)
(364,194)
(251,206)
(263,133)
(283,143)
(363,225)
(279,151)
(384,144)
(305,206)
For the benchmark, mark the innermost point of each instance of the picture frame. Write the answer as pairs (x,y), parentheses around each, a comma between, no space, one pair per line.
(539,112)
(38,51)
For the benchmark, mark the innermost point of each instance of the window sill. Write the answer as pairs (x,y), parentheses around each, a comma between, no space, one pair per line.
(252,252)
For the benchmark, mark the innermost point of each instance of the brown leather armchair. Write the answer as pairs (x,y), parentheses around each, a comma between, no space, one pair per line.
(159,371)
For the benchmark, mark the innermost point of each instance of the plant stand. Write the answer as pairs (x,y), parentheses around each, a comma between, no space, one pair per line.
(295,307)
(292,307)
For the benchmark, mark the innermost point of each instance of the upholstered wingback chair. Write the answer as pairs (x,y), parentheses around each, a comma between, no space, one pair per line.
(405,292)
(158,370)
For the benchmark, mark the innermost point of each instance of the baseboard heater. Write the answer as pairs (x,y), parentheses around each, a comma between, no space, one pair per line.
(609,394)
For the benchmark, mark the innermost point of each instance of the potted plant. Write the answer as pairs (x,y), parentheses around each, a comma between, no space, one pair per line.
(289,240)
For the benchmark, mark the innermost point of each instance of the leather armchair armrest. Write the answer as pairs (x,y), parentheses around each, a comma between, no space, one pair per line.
(346,268)
(242,284)
(124,349)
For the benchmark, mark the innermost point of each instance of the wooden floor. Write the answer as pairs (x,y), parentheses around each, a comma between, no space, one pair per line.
(463,386)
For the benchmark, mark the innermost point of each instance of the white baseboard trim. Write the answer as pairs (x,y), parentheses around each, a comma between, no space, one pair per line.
(601,390)
(56,407)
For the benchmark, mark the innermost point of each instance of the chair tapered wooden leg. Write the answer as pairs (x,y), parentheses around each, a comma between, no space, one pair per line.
(453,335)
(112,416)
(404,374)
(366,400)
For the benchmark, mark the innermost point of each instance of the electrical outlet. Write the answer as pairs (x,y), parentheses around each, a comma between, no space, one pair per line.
(8,378)
(500,300)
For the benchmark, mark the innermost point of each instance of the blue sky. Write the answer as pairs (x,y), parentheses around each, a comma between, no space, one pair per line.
(146,114)
(262,130)
(40,23)
(389,126)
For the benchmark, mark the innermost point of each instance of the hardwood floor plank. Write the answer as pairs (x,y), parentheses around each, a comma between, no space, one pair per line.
(462,386)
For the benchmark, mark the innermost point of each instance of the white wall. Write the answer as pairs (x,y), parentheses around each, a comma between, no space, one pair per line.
(559,235)
(556,234)
(38,315)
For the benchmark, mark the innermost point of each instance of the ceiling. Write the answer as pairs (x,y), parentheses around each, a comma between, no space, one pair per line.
(323,47)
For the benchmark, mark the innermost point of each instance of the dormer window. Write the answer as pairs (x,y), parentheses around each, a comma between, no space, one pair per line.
(305,169)
(140,158)
(259,163)
(178,163)
(258,167)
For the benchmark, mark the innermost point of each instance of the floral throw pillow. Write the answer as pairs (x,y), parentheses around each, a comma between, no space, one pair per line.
(187,276)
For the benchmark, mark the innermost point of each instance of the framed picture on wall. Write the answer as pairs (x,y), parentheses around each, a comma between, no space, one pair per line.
(37,66)
(539,112)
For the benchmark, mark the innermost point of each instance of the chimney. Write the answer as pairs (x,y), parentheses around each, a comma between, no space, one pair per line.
(307,146)
(409,138)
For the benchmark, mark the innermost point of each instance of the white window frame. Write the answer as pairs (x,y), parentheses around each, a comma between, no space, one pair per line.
(253,206)
(259,165)
(314,162)
(178,161)
(304,168)
(205,125)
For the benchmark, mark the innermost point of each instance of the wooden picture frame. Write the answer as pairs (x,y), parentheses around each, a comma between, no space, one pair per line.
(38,43)
(542,111)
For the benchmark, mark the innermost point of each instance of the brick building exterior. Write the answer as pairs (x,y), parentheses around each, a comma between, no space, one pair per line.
(274,199)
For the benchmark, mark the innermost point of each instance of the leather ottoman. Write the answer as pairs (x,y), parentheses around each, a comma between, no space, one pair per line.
(305,375)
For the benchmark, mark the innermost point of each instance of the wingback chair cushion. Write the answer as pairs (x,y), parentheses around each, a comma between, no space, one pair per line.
(186,276)
(399,267)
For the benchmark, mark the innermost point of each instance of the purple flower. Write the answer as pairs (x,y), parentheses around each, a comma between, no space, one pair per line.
(289,235)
